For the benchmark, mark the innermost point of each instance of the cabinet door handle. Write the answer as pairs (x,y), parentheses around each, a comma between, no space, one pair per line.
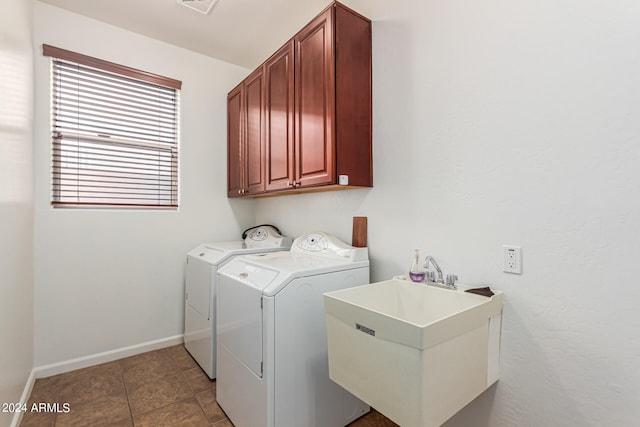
(289,183)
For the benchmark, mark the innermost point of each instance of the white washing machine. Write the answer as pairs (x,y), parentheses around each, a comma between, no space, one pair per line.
(200,288)
(272,339)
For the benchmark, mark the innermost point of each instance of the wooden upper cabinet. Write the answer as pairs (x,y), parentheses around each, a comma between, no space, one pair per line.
(353,107)
(316,111)
(279,138)
(245,137)
(254,148)
(235,134)
(315,103)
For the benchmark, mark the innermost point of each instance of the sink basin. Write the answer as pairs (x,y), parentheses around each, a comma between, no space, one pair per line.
(416,353)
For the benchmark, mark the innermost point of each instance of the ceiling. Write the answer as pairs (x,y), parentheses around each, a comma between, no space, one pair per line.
(242,32)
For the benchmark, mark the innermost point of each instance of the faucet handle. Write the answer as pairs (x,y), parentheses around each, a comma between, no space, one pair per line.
(430,276)
(451,280)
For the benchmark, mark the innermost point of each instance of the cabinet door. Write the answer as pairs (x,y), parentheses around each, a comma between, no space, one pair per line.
(254,139)
(354,155)
(315,103)
(235,142)
(279,87)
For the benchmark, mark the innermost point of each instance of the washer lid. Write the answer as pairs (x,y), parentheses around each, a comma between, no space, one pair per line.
(311,254)
(274,271)
(218,252)
(210,254)
(248,273)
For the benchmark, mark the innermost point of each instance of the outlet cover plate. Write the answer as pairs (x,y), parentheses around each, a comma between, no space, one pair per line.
(512,259)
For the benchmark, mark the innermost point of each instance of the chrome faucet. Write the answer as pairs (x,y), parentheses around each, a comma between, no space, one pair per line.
(430,276)
(451,281)
(439,281)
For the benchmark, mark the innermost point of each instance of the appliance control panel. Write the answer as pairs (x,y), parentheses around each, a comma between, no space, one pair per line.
(265,236)
(325,244)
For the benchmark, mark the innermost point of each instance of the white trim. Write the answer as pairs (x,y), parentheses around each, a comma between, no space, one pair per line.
(107,356)
(83,362)
(28,387)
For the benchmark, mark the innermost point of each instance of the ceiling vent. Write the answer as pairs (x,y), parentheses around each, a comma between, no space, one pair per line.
(202,6)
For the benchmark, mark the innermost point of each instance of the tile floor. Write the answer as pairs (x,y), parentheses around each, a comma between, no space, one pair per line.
(160,388)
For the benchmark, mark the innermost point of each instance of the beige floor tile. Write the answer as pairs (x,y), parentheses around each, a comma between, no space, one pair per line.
(100,411)
(45,390)
(90,387)
(159,388)
(180,357)
(375,419)
(198,380)
(124,423)
(185,413)
(207,401)
(155,391)
(105,369)
(38,419)
(223,423)
(147,365)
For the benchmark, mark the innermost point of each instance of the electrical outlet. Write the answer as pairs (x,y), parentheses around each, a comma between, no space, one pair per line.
(512,262)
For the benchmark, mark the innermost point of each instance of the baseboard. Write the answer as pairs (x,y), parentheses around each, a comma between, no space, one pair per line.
(86,361)
(107,356)
(28,387)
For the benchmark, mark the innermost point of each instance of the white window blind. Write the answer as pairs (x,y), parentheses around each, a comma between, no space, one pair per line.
(114,133)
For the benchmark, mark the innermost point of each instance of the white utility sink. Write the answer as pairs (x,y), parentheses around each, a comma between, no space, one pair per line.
(416,353)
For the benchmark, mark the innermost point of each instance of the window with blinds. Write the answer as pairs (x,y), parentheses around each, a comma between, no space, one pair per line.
(114,134)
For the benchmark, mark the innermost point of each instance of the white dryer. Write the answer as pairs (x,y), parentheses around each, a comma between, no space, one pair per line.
(200,288)
(272,340)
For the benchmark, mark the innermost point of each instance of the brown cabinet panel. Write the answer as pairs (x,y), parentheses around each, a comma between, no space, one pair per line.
(354,155)
(254,140)
(245,137)
(234,142)
(278,71)
(302,121)
(315,100)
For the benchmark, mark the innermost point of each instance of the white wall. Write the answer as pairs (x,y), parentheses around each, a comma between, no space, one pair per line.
(512,123)
(494,123)
(16,202)
(108,279)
